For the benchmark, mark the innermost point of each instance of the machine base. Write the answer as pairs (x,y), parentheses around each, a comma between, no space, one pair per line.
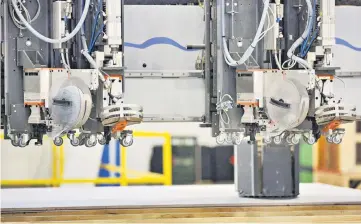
(257,175)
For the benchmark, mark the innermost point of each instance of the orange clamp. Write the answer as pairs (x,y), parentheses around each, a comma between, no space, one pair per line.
(120,126)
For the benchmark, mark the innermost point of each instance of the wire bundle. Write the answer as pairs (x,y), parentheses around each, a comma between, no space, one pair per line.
(259,35)
(311,37)
(18,23)
(95,35)
(223,107)
(293,59)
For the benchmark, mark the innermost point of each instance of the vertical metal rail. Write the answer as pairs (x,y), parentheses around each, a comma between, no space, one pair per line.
(214,53)
(207,71)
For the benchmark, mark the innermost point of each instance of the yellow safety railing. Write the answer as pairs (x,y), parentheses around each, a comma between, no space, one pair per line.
(58,161)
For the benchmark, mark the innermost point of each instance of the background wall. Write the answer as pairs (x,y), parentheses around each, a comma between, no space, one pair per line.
(152,34)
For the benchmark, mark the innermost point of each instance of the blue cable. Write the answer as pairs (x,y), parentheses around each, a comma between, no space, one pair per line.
(312,40)
(305,42)
(92,44)
(95,22)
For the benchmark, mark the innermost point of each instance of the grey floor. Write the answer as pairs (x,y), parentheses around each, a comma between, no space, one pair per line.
(159,196)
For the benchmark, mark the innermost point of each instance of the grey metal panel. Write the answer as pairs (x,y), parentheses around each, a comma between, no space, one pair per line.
(277,171)
(296,169)
(226,79)
(270,171)
(247,179)
(167,97)
(32,84)
(291,21)
(245,24)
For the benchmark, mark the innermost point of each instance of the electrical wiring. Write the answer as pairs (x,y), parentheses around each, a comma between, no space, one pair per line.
(314,37)
(304,46)
(265,32)
(49,40)
(91,61)
(66,66)
(224,106)
(269,26)
(227,121)
(228,58)
(85,51)
(67,57)
(94,28)
(278,59)
(17,22)
(95,23)
(290,64)
(291,52)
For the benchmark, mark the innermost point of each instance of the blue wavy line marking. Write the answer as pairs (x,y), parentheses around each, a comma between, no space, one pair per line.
(168,41)
(158,41)
(345,43)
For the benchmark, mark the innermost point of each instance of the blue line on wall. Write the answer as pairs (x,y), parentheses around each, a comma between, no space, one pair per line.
(168,41)
(158,41)
(345,43)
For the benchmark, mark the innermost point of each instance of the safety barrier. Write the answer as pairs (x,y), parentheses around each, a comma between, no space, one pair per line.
(58,161)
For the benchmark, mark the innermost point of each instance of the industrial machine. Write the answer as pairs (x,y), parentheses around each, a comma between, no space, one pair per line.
(73,80)
(283,73)
(267,70)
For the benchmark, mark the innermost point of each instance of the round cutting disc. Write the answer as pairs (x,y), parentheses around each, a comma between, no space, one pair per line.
(287,104)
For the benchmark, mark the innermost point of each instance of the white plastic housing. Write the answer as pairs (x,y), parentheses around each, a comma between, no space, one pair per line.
(114,22)
(328,22)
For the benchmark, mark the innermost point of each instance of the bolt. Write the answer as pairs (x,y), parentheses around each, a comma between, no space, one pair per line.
(28,43)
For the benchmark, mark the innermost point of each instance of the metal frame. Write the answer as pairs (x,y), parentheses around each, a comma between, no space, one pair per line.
(14,102)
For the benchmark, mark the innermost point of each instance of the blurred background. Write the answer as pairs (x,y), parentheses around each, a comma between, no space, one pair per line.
(183,153)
